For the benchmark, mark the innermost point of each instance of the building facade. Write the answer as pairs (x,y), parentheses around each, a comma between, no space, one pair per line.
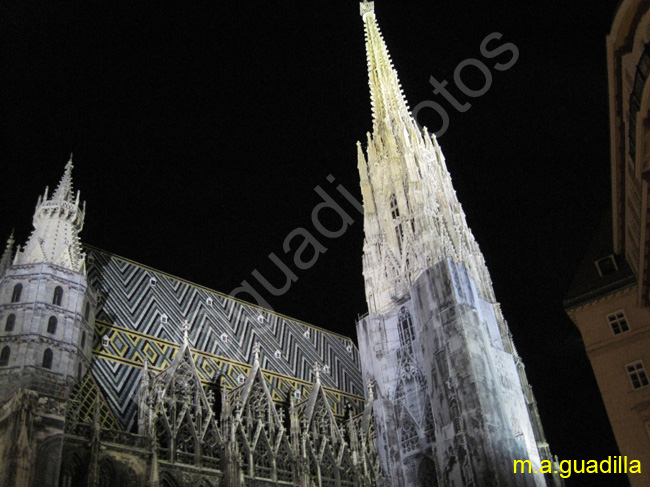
(115,374)
(610,298)
(451,399)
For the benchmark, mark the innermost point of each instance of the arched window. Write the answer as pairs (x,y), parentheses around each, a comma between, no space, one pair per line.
(406,330)
(11,321)
(4,356)
(87,312)
(58,296)
(83,339)
(107,475)
(51,324)
(47,359)
(167,481)
(18,290)
(73,472)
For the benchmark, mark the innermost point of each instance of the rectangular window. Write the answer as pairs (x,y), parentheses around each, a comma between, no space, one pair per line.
(637,375)
(618,322)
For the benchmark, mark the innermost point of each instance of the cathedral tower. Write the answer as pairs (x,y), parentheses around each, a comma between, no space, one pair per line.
(451,399)
(47,311)
(46,306)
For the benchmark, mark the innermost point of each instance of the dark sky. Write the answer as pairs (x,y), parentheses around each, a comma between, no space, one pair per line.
(200,131)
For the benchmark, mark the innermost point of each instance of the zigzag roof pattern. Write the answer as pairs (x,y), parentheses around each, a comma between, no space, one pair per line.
(140,317)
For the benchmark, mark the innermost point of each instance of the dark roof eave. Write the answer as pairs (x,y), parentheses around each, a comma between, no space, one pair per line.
(599,292)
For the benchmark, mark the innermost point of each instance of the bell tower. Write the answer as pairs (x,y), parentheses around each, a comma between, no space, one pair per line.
(451,399)
(46,306)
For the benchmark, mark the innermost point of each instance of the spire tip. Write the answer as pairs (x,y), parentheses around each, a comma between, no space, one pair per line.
(366,7)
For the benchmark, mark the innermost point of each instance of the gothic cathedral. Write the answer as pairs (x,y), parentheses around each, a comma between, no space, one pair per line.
(115,374)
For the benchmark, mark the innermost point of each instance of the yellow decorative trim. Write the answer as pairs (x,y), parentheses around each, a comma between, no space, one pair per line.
(126,346)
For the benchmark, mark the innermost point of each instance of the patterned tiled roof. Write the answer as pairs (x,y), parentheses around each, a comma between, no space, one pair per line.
(140,316)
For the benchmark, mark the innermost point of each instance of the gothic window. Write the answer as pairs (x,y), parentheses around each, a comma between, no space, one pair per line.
(58,296)
(168,481)
(11,321)
(87,312)
(107,475)
(4,356)
(409,433)
(346,470)
(47,359)
(283,462)
(185,444)
(399,231)
(15,296)
(406,330)
(163,436)
(328,470)
(637,375)
(244,453)
(429,425)
(210,447)
(262,459)
(83,339)
(51,324)
(73,473)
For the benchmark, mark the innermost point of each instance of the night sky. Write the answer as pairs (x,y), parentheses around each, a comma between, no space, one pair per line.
(200,131)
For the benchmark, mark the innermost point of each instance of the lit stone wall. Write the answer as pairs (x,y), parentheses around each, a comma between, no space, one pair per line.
(449,401)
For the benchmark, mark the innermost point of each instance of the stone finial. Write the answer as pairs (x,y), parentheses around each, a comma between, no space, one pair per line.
(7,255)
(366,7)
(317,369)
(371,391)
(256,353)
(186,330)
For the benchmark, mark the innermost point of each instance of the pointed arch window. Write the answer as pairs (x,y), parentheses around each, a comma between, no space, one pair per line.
(58,296)
(394,211)
(51,324)
(73,472)
(47,359)
(18,290)
(87,312)
(107,477)
(4,356)
(11,321)
(406,329)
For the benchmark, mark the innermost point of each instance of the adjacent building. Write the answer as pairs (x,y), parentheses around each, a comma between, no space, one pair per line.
(610,298)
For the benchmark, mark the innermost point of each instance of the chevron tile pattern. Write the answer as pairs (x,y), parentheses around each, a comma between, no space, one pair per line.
(140,316)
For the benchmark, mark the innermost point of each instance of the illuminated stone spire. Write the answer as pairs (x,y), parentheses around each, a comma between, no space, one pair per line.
(389,105)
(412,216)
(57,222)
(447,380)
